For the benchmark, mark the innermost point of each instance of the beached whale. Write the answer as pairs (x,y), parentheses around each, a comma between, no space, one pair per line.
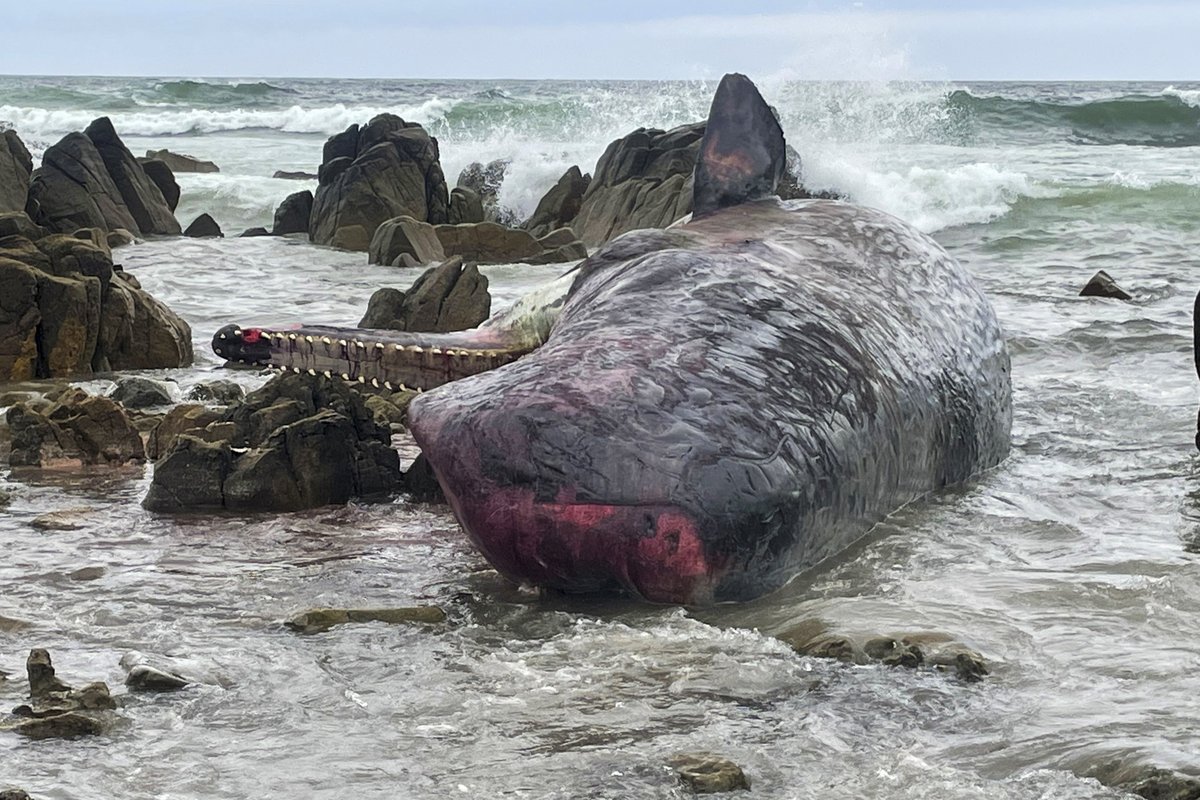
(701,413)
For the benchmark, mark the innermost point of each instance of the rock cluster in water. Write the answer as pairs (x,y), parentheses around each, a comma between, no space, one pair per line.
(65,308)
(298,442)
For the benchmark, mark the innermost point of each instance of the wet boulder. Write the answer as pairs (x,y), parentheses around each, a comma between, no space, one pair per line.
(386,169)
(318,620)
(185,418)
(402,235)
(77,429)
(16,165)
(560,205)
(119,238)
(448,297)
(284,175)
(138,392)
(72,189)
(1103,285)
(708,773)
(465,206)
(204,227)
(489,243)
(18,223)
(181,162)
(142,196)
(251,233)
(218,392)
(162,176)
(298,442)
(293,214)
(643,180)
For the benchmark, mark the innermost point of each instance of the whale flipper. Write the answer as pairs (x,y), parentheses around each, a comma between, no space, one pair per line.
(742,155)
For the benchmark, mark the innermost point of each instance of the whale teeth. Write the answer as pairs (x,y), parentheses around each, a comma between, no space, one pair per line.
(379,345)
(342,342)
(345,376)
(437,351)
(327,374)
(478,354)
(312,371)
(398,346)
(237,332)
(375,382)
(402,388)
(292,336)
(418,349)
(296,370)
(362,379)
(358,343)
(387,385)
(222,336)
(326,340)
(308,339)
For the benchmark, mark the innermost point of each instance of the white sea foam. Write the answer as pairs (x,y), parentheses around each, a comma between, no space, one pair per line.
(1189,96)
(54,123)
(927,197)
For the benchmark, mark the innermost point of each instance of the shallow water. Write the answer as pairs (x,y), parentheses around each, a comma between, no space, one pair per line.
(1072,566)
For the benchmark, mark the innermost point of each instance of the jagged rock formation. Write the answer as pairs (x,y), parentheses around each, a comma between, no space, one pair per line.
(387,168)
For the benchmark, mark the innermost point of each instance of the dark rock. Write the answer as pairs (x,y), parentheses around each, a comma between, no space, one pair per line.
(643,180)
(252,232)
(706,773)
(119,238)
(911,650)
(138,392)
(18,223)
(70,725)
(162,176)
(142,196)
(145,678)
(218,392)
(15,167)
(14,794)
(42,680)
(181,419)
(1152,783)
(190,476)
(448,297)
(405,235)
(298,442)
(180,162)
(71,519)
(87,574)
(72,189)
(485,181)
(1102,285)
(77,429)
(139,332)
(560,205)
(465,206)
(204,226)
(421,484)
(294,176)
(293,214)
(317,620)
(386,169)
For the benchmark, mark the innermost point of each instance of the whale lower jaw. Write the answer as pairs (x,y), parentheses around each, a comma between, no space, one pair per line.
(652,552)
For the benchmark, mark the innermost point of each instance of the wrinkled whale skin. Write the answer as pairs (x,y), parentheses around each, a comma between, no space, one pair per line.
(725,404)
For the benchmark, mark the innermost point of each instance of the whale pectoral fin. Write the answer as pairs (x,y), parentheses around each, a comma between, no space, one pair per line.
(742,155)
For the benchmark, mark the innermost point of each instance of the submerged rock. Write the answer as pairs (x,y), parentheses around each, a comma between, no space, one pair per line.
(317,620)
(218,392)
(1152,783)
(14,794)
(294,176)
(68,725)
(938,651)
(707,773)
(1103,285)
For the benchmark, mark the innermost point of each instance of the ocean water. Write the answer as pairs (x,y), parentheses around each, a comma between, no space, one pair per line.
(1072,566)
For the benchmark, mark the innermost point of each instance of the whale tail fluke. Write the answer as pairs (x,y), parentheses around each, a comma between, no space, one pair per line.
(742,155)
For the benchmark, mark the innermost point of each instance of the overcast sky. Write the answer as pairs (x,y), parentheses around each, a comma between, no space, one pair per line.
(821,39)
